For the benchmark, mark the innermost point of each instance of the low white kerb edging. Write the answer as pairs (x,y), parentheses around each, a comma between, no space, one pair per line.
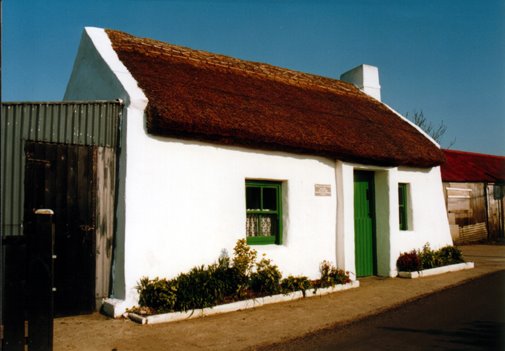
(239,305)
(438,270)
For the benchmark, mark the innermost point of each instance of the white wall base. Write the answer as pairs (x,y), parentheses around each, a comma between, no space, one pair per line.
(238,305)
(438,270)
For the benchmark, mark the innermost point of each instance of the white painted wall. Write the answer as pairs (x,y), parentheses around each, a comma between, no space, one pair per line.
(428,222)
(190,205)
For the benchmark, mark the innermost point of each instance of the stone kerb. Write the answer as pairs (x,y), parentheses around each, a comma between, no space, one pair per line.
(238,305)
(437,270)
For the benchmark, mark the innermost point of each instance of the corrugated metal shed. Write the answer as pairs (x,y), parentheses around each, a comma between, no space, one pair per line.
(83,123)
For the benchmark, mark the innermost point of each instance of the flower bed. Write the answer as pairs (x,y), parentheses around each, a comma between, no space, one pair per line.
(426,262)
(238,305)
(230,284)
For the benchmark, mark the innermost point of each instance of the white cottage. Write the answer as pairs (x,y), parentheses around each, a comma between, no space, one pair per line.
(215,149)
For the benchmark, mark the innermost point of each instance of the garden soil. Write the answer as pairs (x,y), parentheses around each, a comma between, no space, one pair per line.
(266,325)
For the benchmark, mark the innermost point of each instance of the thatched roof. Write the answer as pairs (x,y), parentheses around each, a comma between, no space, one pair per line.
(462,166)
(214,98)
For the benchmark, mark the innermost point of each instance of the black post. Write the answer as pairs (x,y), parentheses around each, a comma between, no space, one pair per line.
(40,254)
(14,336)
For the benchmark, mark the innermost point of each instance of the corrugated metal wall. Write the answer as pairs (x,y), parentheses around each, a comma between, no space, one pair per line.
(84,123)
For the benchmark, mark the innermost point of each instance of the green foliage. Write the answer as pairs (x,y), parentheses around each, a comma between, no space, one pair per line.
(197,289)
(244,257)
(428,258)
(409,262)
(330,275)
(266,279)
(227,280)
(450,255)
(159,294)
(298,283)
(233,282)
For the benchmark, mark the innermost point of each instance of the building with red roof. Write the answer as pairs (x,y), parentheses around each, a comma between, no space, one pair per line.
(474,186)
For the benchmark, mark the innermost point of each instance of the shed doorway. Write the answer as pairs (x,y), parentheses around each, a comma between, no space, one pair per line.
(365,243)
(61,177)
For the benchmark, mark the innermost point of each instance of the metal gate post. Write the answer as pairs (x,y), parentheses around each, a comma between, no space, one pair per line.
(40,254)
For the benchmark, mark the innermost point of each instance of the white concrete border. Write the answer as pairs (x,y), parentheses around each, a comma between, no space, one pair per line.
(439,270)
(238,305)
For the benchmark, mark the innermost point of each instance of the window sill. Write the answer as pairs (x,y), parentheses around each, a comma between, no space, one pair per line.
(261,240)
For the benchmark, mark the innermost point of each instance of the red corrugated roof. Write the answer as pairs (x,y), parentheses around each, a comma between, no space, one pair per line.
(462,166)
(203,96)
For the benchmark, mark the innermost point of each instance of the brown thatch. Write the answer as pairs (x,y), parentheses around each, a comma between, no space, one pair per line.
(202,96)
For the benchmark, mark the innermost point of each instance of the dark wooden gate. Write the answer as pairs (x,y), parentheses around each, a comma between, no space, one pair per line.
(61,177)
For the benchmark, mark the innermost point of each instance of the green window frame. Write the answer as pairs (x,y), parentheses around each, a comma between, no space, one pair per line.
(263,212)
(403,209)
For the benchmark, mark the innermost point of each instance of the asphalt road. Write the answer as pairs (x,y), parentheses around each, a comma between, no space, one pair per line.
(467,317)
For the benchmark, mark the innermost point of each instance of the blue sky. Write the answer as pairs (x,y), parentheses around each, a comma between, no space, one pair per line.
(444,57)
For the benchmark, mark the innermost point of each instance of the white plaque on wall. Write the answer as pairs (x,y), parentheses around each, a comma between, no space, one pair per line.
(322,189)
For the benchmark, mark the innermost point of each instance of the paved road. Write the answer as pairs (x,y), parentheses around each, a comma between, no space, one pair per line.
(467,317)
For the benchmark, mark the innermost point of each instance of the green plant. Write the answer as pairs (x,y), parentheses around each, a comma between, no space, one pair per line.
(291,284)
(198,289)
(450,255)
(233,282)
(330,275)
(409,262)
(429,258)
(159,294)
(266,279)
(244,257)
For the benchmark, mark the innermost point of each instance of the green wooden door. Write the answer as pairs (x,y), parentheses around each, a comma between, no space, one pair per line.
(364,224)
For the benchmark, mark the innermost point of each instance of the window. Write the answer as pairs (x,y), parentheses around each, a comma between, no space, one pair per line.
(403,205)
(264,212)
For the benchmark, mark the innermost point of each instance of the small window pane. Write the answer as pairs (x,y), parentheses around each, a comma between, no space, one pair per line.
(270,199)
(402,206)
(252,225)
(253,198)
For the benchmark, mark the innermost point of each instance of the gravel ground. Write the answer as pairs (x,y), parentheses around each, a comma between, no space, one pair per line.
(250,329)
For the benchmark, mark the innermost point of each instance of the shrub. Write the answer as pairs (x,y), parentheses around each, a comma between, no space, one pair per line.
(234,282)
(409,262)
(196,289)
(428,257)
(159,294)
(266,279)
(244,257)
(291,284)
(330,275)
(450,255)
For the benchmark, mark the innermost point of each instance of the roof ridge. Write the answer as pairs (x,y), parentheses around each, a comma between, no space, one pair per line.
(257,69)
(473,153)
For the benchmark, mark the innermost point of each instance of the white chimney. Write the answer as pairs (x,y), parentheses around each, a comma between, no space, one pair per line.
(366,78)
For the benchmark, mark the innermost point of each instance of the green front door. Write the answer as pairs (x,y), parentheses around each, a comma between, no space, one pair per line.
(364,224)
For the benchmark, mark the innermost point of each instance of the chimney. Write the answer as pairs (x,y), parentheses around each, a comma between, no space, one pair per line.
(366,78)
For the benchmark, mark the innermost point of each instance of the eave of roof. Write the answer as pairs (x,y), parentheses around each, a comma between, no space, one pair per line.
(202,96)
(462,166)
